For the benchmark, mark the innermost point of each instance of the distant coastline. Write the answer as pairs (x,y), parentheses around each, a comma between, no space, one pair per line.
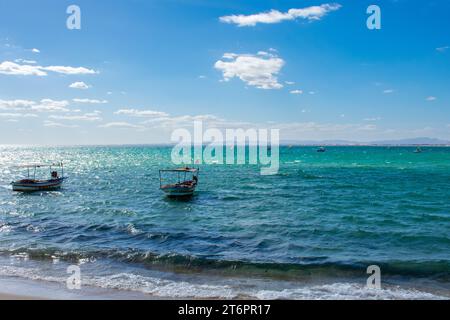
(422,141)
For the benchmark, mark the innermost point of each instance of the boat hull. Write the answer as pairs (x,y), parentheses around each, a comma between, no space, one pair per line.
(178,191)
(29,186)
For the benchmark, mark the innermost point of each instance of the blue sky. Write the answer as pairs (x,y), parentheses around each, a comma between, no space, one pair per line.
(139,69)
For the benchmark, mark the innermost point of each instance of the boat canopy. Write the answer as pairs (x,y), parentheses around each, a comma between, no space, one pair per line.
(39,165)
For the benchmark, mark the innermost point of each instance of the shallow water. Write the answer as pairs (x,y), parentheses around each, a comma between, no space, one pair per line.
(320,221)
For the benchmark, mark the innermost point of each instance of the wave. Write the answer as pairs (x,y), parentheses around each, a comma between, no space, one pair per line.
(182,288)
(307,267)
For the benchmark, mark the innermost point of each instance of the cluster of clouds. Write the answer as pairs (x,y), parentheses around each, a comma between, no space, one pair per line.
(152,119)
(159,119)
(58,115)
(44,105)
(56,112)
(261,70)
(11,110)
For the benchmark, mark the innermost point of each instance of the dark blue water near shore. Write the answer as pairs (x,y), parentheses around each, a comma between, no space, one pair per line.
(323,216)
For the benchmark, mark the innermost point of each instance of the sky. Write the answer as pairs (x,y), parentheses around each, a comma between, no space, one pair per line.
(139,69)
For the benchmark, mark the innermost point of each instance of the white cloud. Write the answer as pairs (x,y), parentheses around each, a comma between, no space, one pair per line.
(48,123)
(91,101)
(49,105)
(289,83)
(388,91)
(365,131)
(25,61)
(35,50)
(255,70)
(15,104)
(12,68)
(368,127)
(431,98)
(69,70)
(141,113)
(275,16)
(442,49)
(296,92)
(79,85)
(159,119)
(18,115)
(45,105)
(94,116)
(184,120)
(121,125)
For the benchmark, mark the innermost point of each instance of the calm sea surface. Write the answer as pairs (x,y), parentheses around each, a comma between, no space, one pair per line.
(308,232)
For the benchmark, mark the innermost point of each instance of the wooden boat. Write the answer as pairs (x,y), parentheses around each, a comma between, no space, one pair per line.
(321,149)
(185,187)
(31,184)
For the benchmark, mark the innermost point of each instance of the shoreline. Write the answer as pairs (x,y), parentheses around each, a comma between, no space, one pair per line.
(18,288)
(14,288)
(7,296)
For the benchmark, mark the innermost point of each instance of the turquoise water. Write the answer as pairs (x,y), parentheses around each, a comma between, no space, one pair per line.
(321,220)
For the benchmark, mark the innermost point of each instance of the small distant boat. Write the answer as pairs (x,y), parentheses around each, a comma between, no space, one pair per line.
(184,187)
(321,149)
(31,184)
(418,150)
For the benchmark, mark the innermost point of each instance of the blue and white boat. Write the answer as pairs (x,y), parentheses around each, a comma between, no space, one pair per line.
(186,182)
(31,184)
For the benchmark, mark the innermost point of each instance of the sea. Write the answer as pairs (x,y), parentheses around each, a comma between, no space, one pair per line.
(311,231)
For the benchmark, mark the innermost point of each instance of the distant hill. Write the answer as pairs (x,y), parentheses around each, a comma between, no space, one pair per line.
(421,141)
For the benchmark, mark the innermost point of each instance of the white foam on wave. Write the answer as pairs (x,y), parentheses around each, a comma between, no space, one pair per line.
(164,288)
(161,287)
(346,291)
(5,228)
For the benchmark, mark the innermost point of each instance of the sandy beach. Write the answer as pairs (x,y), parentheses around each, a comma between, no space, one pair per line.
(4,296)
(13,288)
